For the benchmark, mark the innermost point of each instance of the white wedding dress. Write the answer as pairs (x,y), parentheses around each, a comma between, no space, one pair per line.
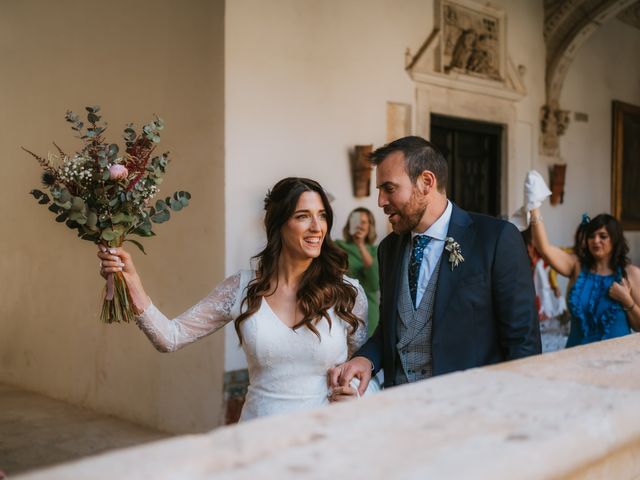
(287,368)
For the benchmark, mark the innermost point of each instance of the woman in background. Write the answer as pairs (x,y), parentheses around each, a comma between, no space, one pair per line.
(604,292)
(359,235)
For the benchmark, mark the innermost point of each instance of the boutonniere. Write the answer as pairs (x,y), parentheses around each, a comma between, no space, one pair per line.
(455,253)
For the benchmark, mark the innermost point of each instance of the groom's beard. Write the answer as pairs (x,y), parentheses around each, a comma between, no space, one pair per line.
(408,215)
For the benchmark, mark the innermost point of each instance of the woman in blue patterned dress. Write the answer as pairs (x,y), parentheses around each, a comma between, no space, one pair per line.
(604,288)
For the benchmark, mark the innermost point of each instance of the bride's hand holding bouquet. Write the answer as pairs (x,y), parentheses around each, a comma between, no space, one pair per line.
(116,260)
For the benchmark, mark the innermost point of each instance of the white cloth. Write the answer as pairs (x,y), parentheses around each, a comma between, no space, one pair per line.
(535,192)
(287,368)
(433,251)
(550,305)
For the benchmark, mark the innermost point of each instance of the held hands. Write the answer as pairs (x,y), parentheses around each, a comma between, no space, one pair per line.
(621,292)
(340,377)
(341,394)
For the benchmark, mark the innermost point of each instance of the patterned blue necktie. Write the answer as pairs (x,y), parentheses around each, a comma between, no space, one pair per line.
(417,252)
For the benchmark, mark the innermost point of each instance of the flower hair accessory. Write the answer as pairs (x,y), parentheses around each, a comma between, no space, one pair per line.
(585,219)
(455,252)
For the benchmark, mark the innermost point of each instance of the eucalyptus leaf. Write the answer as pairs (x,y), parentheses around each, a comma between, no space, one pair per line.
(44,199)
(77,217)
(137,244)
(143,233)
(121,217)
(62,217)
(71,117)
(108,234)
(176,206)
(63,205)
(64,196)
(92,220)
(36,193)
(161,217)
(77,204)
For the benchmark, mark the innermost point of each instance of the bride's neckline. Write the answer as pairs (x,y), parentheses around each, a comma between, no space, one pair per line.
(275,315)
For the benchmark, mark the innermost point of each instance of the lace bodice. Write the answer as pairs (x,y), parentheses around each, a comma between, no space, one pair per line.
(287,368)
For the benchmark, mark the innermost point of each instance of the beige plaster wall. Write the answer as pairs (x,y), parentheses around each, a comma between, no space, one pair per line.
(134,59)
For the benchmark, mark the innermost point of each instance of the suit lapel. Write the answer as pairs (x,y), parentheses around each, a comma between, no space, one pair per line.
(462,230)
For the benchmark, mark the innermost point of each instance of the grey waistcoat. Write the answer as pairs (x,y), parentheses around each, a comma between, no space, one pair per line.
(413,328)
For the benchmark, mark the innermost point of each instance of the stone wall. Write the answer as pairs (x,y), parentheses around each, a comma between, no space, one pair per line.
(572,414)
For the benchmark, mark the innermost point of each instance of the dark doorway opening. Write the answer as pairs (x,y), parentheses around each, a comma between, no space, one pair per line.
(473,153)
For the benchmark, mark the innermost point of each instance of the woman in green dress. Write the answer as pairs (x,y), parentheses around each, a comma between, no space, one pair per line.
(359,234)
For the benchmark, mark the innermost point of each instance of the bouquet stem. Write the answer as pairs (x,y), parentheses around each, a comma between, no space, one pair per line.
(118,308)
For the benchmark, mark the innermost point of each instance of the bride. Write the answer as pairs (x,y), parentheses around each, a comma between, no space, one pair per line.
(296,315)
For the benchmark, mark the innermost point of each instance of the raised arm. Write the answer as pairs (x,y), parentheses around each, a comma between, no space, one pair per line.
(207,316)
(210,314)
(564,263)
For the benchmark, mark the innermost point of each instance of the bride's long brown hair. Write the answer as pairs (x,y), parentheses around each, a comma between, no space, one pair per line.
(322,285)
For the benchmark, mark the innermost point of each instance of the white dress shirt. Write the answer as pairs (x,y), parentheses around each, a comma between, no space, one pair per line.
(433,251)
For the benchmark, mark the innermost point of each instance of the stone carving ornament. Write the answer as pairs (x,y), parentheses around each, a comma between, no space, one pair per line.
(553,123)
(472,42)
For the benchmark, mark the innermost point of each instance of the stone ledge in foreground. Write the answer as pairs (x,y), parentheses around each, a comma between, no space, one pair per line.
(569,414)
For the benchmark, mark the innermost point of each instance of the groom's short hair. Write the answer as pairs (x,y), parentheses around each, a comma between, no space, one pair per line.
(419,155)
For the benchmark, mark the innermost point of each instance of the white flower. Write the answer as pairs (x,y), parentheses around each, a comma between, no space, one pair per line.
(455,252)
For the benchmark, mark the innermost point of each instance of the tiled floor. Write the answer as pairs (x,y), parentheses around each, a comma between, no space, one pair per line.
(37,431)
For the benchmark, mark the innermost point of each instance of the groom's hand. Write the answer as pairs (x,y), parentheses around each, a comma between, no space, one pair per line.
(341,376)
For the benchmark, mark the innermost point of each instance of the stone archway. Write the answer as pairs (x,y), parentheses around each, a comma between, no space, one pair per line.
(568,24)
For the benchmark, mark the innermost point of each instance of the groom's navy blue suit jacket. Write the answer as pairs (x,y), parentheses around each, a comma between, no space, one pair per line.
(484,309)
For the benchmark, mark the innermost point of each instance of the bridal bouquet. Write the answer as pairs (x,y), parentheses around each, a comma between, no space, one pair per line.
(104,193)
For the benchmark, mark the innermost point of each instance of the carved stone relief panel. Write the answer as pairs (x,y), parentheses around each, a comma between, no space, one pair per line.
(472,39)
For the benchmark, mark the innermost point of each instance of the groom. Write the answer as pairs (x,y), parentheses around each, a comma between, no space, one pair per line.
(456,287)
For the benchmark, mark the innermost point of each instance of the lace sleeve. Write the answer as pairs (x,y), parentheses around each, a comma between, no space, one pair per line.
(360,310)
(210,314)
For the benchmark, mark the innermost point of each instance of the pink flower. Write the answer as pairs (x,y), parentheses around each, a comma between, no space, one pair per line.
(118,172)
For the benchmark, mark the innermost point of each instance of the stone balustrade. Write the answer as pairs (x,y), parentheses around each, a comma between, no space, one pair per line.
(573,414)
